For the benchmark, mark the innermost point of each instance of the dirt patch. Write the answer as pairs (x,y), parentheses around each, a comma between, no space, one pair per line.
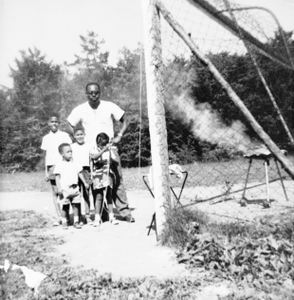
(228,208)
(125,250)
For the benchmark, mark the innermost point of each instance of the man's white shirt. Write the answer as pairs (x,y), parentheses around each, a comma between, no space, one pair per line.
(97,120)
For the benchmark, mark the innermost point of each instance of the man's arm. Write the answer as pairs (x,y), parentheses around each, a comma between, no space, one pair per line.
(73,119)
(125,124)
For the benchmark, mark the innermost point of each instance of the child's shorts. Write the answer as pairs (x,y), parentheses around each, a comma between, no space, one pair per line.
(101,180)
(71,194)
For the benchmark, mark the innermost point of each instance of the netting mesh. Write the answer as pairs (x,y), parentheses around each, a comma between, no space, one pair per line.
(207,134)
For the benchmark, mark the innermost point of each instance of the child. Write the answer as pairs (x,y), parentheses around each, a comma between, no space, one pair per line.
(50,143)
(67,173)
(80,155)
(102,177)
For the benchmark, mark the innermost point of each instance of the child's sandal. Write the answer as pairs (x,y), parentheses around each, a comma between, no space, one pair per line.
(113,221)
(77,225)
(97,223)
(89,221)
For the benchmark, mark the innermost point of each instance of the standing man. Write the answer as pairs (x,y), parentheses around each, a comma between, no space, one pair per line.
(97,116)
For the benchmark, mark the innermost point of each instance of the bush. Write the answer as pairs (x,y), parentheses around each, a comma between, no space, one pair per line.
(179,224)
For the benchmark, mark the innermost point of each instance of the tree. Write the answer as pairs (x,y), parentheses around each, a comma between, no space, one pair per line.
(242,75)
(127,82)
(93,65)
(35,95)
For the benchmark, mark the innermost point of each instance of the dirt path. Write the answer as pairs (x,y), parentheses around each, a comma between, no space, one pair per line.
(124,250)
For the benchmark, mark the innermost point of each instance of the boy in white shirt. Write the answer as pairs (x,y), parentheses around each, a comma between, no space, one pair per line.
(50,143)
(80,155)
(67,174)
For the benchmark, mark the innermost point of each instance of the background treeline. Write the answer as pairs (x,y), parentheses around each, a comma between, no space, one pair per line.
(41,87)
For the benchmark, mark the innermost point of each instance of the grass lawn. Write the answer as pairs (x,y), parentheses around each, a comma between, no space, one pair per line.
(200,174)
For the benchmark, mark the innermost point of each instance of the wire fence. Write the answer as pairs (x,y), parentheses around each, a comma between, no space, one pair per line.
(228,164)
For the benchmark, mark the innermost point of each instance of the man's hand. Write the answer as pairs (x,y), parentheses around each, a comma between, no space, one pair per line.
(117,139)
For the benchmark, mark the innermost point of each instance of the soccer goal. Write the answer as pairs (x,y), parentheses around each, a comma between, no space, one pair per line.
(219,80)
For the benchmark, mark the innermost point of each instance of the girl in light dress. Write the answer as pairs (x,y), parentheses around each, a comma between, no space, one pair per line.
(102,157)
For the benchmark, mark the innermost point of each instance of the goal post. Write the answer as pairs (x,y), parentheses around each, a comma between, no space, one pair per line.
(156,112)
(199,71)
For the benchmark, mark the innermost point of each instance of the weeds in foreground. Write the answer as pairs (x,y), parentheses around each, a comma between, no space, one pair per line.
(176,231)
(257,258)
(23,243)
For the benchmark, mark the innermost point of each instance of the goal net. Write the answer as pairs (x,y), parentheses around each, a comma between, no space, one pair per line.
(228,104)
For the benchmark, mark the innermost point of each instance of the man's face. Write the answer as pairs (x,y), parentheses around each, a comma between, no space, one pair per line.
(53,124)
(79,137)
(93,94)
(67,153)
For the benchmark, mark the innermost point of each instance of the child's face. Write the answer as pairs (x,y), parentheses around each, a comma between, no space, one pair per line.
(67,153)
(102,142)
(79,137)
(53,124)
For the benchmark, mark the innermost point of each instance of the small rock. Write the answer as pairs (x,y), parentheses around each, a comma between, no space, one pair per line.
(288,284)
(214,292)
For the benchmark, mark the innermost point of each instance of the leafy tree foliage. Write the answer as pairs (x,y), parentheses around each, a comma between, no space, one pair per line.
(35,95)
(92,66)
(128,90)
(240,72)
(40,87)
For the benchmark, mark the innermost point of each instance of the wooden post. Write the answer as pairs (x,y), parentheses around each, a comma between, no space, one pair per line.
(156,112)
(275,150)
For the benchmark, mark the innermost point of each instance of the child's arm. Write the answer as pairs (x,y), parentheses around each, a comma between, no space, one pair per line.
(44,153)
(57,179)
(98,154)
(82,177)
(46,171)
(91,168)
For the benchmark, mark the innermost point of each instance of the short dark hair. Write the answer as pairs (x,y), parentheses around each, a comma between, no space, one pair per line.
(78,128)
(102,135)
(54,114)
(92,83)
(61,146)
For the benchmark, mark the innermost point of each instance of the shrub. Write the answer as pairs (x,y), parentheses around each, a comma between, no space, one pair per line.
(179,224)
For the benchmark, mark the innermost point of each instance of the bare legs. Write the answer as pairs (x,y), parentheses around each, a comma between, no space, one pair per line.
(65,215)
(55,199)
(98,202)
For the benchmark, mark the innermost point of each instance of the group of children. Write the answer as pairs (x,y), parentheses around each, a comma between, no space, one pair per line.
(77,169)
